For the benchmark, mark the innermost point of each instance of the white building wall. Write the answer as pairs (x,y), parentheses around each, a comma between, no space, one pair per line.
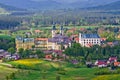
(86,41)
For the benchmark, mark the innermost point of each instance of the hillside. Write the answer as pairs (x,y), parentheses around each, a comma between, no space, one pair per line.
(29,4)
(54,4)
(91,3)
(111,6)
(9,8)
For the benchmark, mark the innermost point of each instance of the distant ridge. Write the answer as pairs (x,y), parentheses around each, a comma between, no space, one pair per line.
(111,6)
(30,5)
(54,4)
(10,8)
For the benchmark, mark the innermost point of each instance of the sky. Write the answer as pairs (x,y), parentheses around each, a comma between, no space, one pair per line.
(67,1)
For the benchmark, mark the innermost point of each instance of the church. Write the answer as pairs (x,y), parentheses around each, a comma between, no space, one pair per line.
(59,41)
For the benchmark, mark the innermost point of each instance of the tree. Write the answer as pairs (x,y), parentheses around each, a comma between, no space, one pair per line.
(11,50)
(26,53)
(39,53)
(20,52)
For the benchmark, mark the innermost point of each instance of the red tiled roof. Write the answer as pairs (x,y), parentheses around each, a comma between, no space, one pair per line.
(110,43)
(77,39)
(101,62)
(75,35)
(89,44)
(74,29)
(38,31)
(113,58)
(41,39)
(82,29)
(103,39)
(116,63)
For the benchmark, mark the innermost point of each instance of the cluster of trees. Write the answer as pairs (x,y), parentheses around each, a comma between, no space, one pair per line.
(66,17)
(110,33)
(74,17)
(93,53)
(27,53)
(7,42)
(9,22)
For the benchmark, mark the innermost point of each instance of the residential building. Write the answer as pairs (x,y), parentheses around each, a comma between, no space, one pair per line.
(25,43)
(112,60)
(101,63)
(117,64)
(89,39)
(7,55)
(41,43)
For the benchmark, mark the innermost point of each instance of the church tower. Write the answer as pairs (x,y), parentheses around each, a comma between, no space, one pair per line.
(53,31)
(61,30)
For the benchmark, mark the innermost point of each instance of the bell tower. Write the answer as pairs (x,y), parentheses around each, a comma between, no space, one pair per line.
(53,31)
(61,30)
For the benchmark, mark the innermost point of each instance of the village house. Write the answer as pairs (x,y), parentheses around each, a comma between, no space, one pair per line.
(112,60)
(101,63)
(117,64)
(71,30)
(54,54)
(37,32)
(6,55)
(105,63)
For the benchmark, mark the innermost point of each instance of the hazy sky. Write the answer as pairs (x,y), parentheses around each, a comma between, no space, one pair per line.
(69,1)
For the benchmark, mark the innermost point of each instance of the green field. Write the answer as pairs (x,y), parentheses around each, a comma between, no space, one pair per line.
(108,77)
(5,71)
(35,69)
(45,70)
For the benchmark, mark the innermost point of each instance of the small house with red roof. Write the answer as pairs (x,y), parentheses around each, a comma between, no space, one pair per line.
(110,43)
(48,57)
(82,29)
(37,32)
(103,39)
(71,30)
(101,63)
(112,60)
(117,64)
(76,40)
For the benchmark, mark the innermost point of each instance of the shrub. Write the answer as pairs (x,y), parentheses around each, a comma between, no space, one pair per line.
(61,72)
(58,78)
(107,72)
(11,76)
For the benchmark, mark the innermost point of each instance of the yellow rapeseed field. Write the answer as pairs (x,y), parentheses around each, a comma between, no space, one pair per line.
(28,62)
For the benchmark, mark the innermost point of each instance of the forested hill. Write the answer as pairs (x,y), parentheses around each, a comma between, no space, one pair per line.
(111,6)
(9,8)
(55,4)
